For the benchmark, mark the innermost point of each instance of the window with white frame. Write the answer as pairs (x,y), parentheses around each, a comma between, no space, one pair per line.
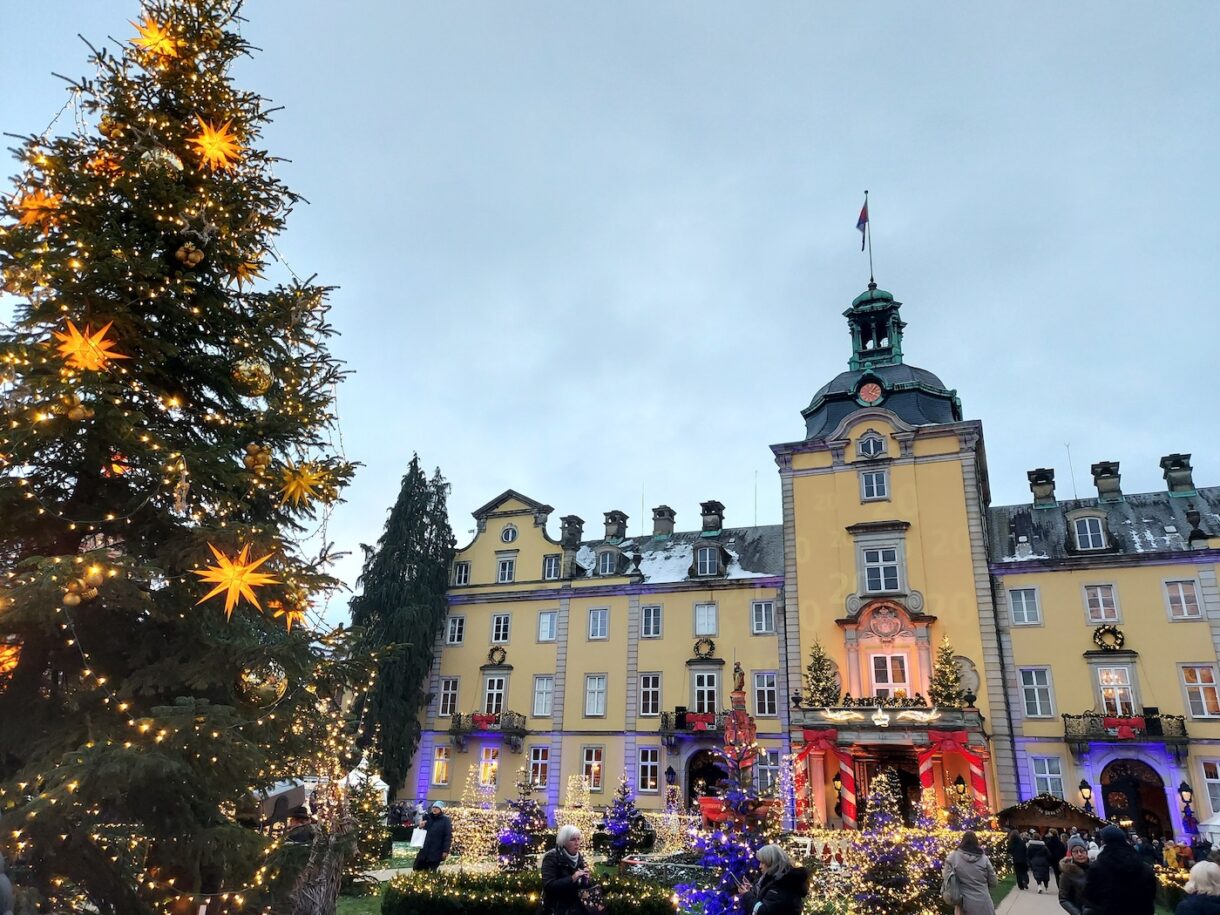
(762,617)
(595,695)
(449,697)
(499,627)
(1183,597)
(650,622)
(506,569)
(455,632)
(870,446)
(1211,777)
(547,625)
(1036,691)
(649,769)
(1117,695)
(599,623)
(440,765)
(707,693)
(705,619)
(766,693)
(544,689)
(493,694)
(1090,535)
(1048,775)
(1202,697)
(650,694)
(489,765)
(767,769)
(550,567)
(591,767)
(540,766)
(1023,606)
(509,534)
(880,569)
(890,676)
(874,484)
(461,573)
(1100,604)
(607,563)
(707,562)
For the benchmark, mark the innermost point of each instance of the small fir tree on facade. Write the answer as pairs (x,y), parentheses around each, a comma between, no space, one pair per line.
(946,687)
(526,826)
(821,688)
(620,821)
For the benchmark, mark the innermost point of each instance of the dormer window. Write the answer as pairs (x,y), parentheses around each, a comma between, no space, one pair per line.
(1090,535)
(871,445)
(607,563)
(707,560)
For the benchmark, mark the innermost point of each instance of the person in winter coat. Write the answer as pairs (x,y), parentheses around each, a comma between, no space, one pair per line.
(1145,850)
(1118,882)
(975,876)
(1020,861)
(7,899)
(1039,862)
(564,874)
(1056,849)
(781,888)
(438,839)
(1202,891)
(1073,870)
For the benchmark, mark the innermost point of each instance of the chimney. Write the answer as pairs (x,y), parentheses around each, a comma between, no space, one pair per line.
(1178,474)
(1106,478)
(713,516)
(663,521)
(571,530)
(616,525)
(1042,485)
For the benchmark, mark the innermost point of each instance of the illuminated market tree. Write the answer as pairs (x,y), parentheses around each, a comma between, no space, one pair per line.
(945,689)
(884,858)
(522,837)
(821,685)
(166,421)
(367,802)
(621,821)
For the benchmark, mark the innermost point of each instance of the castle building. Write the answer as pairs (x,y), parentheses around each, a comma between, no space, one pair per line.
(1085,633)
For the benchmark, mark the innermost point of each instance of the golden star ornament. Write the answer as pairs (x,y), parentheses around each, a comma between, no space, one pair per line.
(236,578)
(155,39)
(87,351)
(302,483)
(290,614)
(217,146)
(38,208)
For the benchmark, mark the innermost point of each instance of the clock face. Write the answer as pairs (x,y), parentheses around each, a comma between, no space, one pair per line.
(870,393)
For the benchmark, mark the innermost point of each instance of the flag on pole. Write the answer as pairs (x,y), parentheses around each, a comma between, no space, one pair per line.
(862,222)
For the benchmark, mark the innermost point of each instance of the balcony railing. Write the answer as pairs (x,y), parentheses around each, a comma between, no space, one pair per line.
(1092,726)
(693,723)
(510,724)
(907,717)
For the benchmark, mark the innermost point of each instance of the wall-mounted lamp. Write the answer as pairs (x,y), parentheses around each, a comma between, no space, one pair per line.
(959,785)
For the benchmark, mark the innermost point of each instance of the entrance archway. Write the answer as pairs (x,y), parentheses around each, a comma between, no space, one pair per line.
(704,771)
(1133,796)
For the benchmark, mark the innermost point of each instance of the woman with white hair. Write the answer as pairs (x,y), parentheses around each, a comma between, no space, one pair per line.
(782,886)
(564,874)
(1202,891)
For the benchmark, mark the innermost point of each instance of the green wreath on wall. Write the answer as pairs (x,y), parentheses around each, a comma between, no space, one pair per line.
(1109,638)
(704,649)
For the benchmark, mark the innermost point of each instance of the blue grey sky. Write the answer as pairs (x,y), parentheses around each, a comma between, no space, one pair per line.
(598,252)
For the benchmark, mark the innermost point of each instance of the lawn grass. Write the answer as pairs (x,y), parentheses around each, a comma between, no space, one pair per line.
(359,905)
(1003,888)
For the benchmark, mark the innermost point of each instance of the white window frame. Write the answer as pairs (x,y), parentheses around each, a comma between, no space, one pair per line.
(1211,779)
(1048,686)
(648,770)
(765,625)
(489,766)
(593,766)
(1183,595)
(461,573)
(540,765)
(870,438)
(506,570)
(607,563)
(1025,619)
(552,565)
(1102,620)
(766,770)
(707,561)
(650,689)
(595,695)
(508,534)
(1201,687)
(551,632)
(455,630)
(544,696)
(442,758)
(447,701)
(891,687)
(1090,533)
(768,707)
(645,632)
(702,628)
(1122,701)
(874,485)
(492,691)
(1044,781)
(501,634)
(881,564)
(705,691)
(599,624)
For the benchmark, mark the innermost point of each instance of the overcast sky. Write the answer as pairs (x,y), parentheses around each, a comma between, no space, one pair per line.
(598,252)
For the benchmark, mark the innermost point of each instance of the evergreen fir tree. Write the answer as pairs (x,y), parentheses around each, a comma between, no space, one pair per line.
(367,801)
(821,690)
(620,820)
(883,805)
(400,611)
(945,689)
(526,826)
(165,419)
(882,856)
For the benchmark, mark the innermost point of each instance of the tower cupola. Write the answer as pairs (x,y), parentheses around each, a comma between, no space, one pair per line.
(876,329)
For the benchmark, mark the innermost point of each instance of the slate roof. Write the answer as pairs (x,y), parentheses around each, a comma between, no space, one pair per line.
(916,395)
(754,552)
(1148,522)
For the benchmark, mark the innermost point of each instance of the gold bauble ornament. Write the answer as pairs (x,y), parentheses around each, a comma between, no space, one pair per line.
(189,255)
(252,376)
(72,599)
(108,126)
(211,38)
(90,594)
(95,576)
(263,685)
(160,160)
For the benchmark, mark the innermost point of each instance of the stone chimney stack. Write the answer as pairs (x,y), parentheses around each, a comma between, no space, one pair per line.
(616,525)
(713,516)
(571,530)
(1042,485)
(1178,474)
(663,521)
(1107,478)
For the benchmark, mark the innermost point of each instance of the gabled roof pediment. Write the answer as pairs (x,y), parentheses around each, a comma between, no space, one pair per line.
(504,503)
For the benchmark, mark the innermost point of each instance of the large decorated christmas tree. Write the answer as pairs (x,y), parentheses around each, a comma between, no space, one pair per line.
(166,467)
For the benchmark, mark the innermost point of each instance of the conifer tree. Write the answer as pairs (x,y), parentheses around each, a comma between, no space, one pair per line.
(526,825)
(821,690)
(620,819)
(945,689)
(400,612)
(165,426)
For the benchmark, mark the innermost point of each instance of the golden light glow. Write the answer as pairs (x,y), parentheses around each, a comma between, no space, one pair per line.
(89,352)
(290,614)
(302,483)
(246,271)
(10,655)
(38,208)
(217,146)
(235,577)
(155,39)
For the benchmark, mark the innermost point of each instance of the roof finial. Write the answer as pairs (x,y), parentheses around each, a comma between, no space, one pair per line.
(866,235)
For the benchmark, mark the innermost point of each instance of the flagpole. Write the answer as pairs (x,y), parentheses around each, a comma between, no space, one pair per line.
(868,233)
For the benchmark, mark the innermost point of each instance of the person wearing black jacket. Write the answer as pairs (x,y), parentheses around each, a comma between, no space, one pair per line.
(1039,862)
(1118,882)
(782,888)
(564,875)
(1057,850)
(438,838)
(1073,873)
(1020,861)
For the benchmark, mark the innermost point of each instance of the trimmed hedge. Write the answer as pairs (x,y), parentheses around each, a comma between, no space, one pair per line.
(458,893)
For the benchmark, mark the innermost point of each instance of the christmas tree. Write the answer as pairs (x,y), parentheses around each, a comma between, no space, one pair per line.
(400,612)
(367,800)
(883,805)
(884,857)
(821,687)
(166,420)
(620,821)
(946,687)
(526,826)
